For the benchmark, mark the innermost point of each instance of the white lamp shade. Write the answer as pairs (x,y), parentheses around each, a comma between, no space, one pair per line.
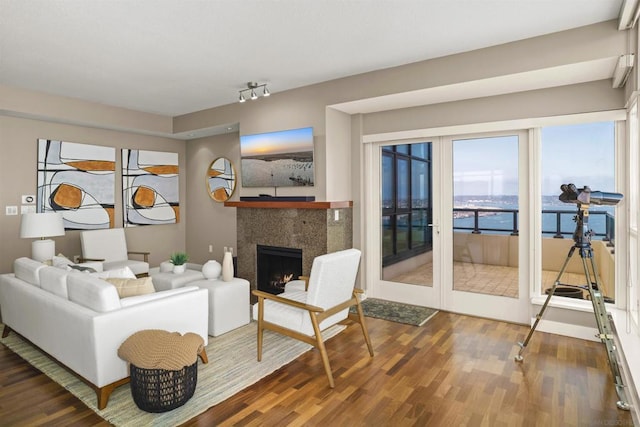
(41,225)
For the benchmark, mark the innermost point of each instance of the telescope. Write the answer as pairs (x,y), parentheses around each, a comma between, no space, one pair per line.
(579,196)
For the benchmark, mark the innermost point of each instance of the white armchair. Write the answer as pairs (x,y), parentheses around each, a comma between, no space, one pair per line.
(304,314)
(110,247)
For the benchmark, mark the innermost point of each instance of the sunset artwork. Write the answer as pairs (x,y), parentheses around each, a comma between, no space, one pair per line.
(277,159)
(77,180)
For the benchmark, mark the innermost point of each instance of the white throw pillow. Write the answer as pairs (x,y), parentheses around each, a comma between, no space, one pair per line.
(60,261)
(118,273)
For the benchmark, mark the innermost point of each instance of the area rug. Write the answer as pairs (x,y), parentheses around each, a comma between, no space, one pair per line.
(232,367)
(396,311)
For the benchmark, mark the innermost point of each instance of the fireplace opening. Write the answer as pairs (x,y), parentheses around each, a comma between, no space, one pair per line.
(276,266)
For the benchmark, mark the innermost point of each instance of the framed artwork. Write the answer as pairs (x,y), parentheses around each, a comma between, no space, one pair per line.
(221,179)
(77,180)
(150,187)
(277,159)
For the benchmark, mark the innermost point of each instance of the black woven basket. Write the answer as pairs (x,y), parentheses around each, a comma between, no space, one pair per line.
(161,390)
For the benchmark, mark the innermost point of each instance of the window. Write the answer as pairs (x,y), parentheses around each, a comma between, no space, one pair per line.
(583,155)
(406,201)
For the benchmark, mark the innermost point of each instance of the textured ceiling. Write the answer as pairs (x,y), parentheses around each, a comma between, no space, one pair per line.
(178,56)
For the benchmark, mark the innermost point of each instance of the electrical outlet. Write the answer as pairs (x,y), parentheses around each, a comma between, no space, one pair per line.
(210,249)
(76,259)
(336,215)
(11,210)
(27,209)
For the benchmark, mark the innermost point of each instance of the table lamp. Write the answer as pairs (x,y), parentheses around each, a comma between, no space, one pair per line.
(41,226)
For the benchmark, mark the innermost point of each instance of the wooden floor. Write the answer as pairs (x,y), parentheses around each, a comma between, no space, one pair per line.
(454,371)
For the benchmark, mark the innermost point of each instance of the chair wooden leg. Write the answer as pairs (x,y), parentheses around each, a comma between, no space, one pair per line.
(363,326)
(322,348)
(260,326)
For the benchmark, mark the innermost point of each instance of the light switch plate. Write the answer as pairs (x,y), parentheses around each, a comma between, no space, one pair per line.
(11,210)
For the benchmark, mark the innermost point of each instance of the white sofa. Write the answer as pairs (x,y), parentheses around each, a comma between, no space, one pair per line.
(81,321)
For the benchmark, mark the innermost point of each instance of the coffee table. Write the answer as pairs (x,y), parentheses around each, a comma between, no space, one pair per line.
(170,280)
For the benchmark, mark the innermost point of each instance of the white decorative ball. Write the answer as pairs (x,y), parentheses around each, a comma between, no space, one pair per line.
(211,269)
(166,266)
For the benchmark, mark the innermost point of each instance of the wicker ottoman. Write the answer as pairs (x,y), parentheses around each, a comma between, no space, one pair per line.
(162,390)
(163,368)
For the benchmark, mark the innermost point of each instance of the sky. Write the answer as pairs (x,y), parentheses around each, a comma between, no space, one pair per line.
(286,141)
(580,154)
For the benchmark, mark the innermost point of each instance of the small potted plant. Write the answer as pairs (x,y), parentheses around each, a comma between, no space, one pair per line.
(179,260)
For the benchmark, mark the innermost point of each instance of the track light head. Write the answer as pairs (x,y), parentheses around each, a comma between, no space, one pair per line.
(251,88)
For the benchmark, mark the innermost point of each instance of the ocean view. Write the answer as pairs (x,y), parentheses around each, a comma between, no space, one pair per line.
(503,222)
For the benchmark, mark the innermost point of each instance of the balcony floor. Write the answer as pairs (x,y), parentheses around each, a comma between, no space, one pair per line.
(483,278)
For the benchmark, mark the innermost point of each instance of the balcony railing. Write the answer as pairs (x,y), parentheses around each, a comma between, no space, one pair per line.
(607,235)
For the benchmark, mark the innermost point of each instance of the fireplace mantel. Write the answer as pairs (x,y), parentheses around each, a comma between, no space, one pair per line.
(289,205)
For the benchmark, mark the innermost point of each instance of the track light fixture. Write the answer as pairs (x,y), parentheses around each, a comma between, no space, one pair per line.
(251,88)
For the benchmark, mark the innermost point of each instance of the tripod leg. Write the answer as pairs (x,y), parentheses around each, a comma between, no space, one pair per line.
(605,331)
(518,357)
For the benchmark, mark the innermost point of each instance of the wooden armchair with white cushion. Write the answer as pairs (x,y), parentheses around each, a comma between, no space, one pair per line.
(110,246)
(304,314)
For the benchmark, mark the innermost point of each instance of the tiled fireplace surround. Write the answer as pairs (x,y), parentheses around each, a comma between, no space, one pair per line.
(310,226)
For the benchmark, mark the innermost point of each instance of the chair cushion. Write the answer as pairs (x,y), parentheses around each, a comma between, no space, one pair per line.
(284,315)
(294,285)
(107,244)
(132,287)
(333,277)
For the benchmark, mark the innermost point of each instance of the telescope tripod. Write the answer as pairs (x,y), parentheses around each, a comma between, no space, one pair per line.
(582,238)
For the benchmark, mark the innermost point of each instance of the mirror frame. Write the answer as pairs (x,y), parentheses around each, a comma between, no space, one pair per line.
(221,193)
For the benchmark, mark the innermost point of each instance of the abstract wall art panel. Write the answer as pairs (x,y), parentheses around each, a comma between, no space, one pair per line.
(77,180)
(150,187)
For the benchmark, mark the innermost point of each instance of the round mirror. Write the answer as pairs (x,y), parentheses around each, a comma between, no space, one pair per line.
(221,179)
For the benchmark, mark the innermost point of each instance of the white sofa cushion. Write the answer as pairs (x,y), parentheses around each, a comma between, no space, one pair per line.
(28,270)
(92,292)
(139,299)
(54,280)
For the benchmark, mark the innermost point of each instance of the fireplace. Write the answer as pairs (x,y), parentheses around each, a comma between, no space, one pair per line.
(276,266)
